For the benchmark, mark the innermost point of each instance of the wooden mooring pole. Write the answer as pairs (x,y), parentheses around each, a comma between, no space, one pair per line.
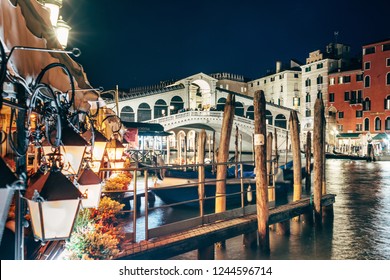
(308,217)
(318,151)
(296,152)
(308,162)
(204,253)
(223,154)
(261,171)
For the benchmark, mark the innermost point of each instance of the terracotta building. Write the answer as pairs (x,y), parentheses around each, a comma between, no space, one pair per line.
(376,87)
(345,109)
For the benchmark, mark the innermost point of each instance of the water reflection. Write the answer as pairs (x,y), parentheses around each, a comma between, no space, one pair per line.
(359,230)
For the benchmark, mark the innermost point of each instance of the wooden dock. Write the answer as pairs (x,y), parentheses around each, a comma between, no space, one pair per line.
(166,246)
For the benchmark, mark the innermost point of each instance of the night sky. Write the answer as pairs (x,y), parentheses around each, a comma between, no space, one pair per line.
(139,43)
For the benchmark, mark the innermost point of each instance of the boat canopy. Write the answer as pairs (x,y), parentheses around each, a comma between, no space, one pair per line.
(147,129)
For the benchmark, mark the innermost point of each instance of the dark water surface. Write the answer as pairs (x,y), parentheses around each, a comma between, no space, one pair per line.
(360,229)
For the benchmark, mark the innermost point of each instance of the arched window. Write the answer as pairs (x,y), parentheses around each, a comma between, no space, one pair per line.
(387,123)
(320,80)
(221,104)
(387,103)
(367,124)
(160,109)
(127,114)
(144,113)
(268,117)
(239,109)
(308,82)
(250,113)
(388,79)
(281,121)
(308,97)
(367,81)
(176,105)
(367,104)
(378,123)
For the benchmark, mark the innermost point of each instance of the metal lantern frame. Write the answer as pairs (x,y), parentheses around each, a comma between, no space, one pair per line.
(54,203)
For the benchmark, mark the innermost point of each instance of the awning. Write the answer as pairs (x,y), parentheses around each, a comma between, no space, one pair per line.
(380,136)
(348,135)
(147,129)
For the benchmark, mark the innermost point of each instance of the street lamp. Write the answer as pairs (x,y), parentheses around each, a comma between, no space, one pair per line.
(115,151)
(90,185)
(97,148)
(62,32)
(54,7)
(73,149)
(53,202)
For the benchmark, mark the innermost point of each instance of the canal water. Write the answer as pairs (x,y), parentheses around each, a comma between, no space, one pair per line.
(360,229)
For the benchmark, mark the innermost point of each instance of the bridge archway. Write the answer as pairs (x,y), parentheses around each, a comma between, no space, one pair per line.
(176,105)
(200,94)
(160,108)
(221,104)
(269,118)
(250,114)
(281,121)
(239,109)
(127,114)
(144,113)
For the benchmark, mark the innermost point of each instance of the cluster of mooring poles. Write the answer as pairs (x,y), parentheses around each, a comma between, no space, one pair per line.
(263,161)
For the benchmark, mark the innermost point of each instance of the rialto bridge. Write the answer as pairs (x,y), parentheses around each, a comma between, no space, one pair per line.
(193,103)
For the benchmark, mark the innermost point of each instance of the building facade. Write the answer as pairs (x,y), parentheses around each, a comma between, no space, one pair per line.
(376,87)
(345,108)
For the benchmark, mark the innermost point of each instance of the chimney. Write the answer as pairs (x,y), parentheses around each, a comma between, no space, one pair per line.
(278,66)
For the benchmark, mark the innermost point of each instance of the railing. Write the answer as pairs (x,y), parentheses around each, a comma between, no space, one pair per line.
(244,207)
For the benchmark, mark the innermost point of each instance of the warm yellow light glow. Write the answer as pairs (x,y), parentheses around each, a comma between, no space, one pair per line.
(57,218)
(54,10)
(62,32)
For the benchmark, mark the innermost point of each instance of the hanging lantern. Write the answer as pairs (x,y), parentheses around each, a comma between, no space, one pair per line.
(54,8)
(53,202)
(62,31)
(7,177)
(73,150)
(115,151)
(99,147)
(90,185)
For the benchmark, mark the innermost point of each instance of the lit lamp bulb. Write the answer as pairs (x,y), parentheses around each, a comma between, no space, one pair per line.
(115,151)
(62,31)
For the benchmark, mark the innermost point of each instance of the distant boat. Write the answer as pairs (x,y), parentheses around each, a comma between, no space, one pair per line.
(181,187)
(336,155)
(184,191)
